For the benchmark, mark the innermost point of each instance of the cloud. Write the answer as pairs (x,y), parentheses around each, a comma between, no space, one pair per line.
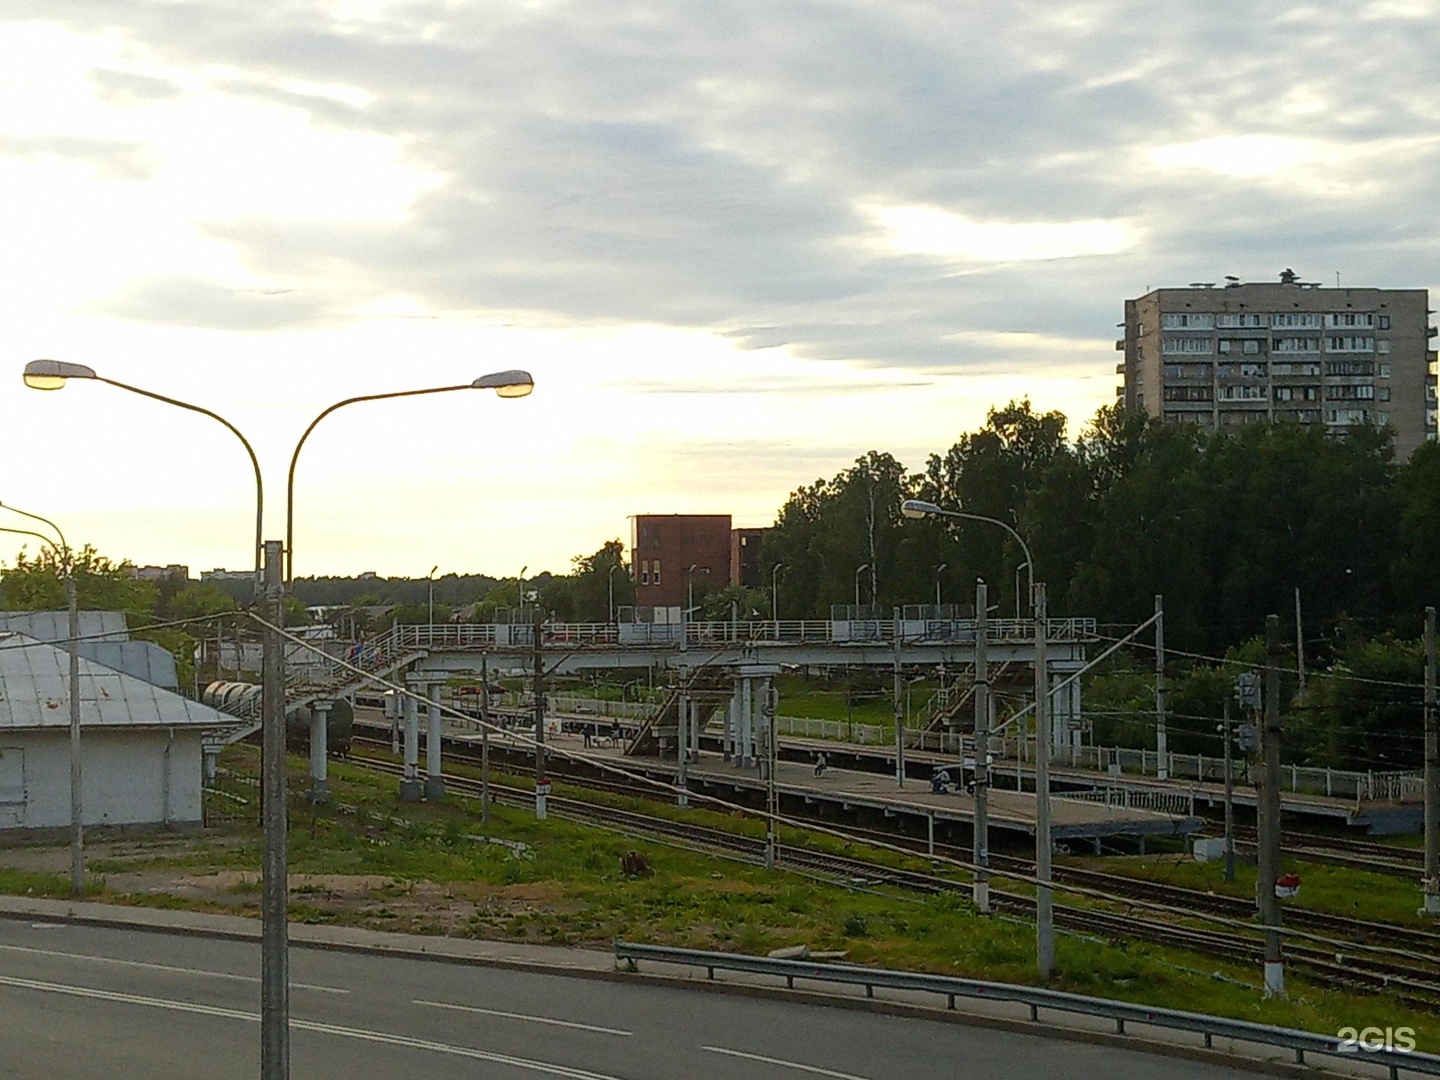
(873,182)
(175,301)
(130,88)
(112,159)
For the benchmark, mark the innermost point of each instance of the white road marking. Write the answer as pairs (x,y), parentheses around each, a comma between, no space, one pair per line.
(164,967)
(816,1069)
(524,1016)
(549,1068)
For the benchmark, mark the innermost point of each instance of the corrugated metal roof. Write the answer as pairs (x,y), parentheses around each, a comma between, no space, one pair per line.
(55,625)
(35,693)
(143,659)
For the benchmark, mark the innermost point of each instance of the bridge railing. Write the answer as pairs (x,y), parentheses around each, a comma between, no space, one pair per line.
(701,634)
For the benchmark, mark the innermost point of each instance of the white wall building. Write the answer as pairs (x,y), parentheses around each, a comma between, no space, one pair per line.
(141,744)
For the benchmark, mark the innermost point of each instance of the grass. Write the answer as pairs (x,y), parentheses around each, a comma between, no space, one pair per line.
(1358,894)
(436,878)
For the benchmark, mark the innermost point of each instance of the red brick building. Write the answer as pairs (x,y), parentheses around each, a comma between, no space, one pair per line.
(664,546)
(745,567)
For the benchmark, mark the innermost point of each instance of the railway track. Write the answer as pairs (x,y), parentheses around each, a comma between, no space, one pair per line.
(1342,851)
(1417,983)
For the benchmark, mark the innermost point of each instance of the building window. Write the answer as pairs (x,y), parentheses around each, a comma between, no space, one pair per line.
(1297,344)
(656,571)
(1364,320)
(1172,345)
(1350,368)
(1349,343)
(1295,369)
(1383,394)
(1384,371)
(1382,346)
(1350,393)
(1382,322)
(1187,393)
(1296,320)
(1231,320)
(1382,418)
(644,571)
(1242,393)
(1188,320)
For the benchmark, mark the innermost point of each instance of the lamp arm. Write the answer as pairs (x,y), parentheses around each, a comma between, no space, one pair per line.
(295,457)
(64,553)
(254,461)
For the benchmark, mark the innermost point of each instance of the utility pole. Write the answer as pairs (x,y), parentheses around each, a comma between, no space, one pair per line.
(1229,794)
(542,785)
(77,814)
(1432,775)
(484,739)
(1162,747)
(899,706)
(682,747)
(275,896)
(981,827)
(1269,854)
(1044,899)
(772,759)
(1299,645)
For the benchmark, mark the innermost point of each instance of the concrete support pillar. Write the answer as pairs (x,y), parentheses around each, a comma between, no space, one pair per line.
(747,723)
(434,782)
(411,788)
(319,751)
(732,722)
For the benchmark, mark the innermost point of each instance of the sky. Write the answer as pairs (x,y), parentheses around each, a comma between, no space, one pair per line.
(738,243)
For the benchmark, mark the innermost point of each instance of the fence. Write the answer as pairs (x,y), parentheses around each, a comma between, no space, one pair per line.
(1121,1013)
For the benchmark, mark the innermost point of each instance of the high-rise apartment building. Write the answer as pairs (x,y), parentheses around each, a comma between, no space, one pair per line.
(1293,351)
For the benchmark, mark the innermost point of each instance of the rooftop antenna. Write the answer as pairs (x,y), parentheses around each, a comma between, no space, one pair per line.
(1231,281)
(1337,279)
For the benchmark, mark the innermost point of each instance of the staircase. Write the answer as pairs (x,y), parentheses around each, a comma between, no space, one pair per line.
(379,659)
(667,718)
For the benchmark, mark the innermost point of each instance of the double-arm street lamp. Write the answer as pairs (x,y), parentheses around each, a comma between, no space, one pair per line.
(65,559)
(1044,900)
(274,963)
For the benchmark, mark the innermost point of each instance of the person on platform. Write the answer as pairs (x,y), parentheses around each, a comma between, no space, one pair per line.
(940,782)
(821,764)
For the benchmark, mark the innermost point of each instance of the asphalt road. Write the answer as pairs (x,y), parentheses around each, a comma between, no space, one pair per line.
(91,1002)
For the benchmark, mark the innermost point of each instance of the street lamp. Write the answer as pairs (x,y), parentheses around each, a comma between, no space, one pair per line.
(1044,897)
(507,384)
(775,595)
(918,508)
(430,577)
(53,375)
(610,585)
(858,571)
(66,560)
(274,963)
(938,571)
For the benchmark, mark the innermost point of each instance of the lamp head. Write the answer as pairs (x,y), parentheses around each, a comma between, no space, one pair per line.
(52,374)
(919,508)
(506,383)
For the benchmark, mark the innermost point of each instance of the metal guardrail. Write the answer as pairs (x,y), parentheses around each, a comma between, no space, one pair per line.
(1036,998)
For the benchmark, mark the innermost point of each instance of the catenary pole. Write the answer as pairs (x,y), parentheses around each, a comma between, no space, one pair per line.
(485,740)
(1228,735)
(1432,775)
(982,755)
(1044,899)
(1162,745)
(537,628)
(1269,854)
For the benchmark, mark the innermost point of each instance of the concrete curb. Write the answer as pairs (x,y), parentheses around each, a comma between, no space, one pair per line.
(595,964)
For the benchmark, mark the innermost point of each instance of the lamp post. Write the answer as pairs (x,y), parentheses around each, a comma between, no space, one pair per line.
(775,595)
(66,559)
(938,571)
(918,508)
(610,585)
(430,578)
(1044,910)
(520,593)
(53,375)
(276,562)
(858,571)
(507,384)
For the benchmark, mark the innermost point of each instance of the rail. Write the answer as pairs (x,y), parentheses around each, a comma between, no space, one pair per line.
(1122,1013)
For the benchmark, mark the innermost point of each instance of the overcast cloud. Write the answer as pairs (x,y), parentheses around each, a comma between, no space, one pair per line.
(710,163)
